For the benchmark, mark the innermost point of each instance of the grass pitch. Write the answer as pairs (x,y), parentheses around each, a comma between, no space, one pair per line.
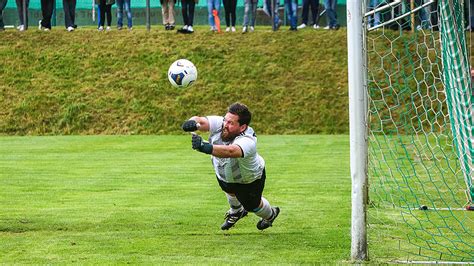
(152,199)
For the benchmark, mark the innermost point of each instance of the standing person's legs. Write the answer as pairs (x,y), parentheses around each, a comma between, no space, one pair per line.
(253,7)
(21,17)
(192,4)
(69,13)
(246,12)
(210,17)
(184,12)
(102,8)
(120,5)
(227,13)
(291,10)
(165,13)
(233,4)
(128,11)
(314,4)
(47,13)
(305,13)
(109,15)
(171,19)
(330,6)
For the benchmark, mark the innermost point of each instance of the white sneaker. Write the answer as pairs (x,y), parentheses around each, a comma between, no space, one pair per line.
(233,29)
(227,29)
(251,29)
(190,29)
(315,26)
(21,28)
(244,29)
(185,27)
(327,28)
(70,28)
(101,28)
(108,28)
(39,25)
(302,26)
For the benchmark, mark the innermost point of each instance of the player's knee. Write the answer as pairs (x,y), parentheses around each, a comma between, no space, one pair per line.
(252,207)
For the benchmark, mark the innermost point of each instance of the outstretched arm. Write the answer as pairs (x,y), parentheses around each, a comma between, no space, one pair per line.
(196,123)
(221,151)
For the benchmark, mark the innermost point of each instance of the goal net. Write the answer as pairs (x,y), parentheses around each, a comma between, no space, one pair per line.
(420,131)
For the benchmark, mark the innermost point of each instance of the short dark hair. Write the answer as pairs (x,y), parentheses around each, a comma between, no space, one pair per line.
(242,111)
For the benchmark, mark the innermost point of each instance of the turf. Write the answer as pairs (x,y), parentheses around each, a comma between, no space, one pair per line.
(151,199)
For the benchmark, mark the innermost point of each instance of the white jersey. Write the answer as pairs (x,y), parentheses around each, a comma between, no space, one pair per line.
(242,170)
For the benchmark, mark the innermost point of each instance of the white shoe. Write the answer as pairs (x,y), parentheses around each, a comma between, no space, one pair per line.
(101,28)
(190,29)
(108,28)
(39,25)
(21,28)
(302,26)
(130,29)
(251,29)
(233,29)
(227,29)
(185,27)
(244,29)
(70,28)
(315,26)
(327,28)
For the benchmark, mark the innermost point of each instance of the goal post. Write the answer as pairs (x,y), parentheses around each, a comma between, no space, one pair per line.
(358,129)
(411,119)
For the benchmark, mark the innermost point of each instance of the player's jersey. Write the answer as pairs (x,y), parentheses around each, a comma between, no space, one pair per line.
(242,170)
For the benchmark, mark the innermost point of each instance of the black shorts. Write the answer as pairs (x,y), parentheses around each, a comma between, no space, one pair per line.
(248,194)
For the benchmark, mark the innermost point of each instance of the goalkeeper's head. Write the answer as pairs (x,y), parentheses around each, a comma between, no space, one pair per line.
(242,111)
(236,121)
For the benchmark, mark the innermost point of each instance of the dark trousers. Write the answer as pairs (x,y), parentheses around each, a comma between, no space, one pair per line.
(187,10)
(230,6)
(69,7)
(249,195)
(105,9)
(3,4)
(19,7)
(314,4)
(47,7)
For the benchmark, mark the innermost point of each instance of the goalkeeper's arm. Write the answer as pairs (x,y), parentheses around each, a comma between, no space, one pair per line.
(196,123)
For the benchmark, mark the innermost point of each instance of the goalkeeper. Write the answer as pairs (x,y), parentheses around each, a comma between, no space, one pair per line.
(240,170)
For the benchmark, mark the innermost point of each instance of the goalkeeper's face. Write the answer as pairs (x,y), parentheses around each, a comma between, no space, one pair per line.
(231,127)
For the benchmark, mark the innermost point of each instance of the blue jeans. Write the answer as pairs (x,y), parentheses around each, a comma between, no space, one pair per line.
(211,5)
(276,18)
(250,6)
(330,6)
(374,20)
(121,5)
(291,7)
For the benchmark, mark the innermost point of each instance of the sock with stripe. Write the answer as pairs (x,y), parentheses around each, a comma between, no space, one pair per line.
(264,210)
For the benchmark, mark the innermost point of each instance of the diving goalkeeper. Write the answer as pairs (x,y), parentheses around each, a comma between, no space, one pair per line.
(240,170)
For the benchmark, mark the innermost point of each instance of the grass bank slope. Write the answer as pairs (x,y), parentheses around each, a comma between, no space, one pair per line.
(88,82)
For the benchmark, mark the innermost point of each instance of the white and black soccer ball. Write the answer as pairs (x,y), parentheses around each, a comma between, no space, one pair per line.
(182,73)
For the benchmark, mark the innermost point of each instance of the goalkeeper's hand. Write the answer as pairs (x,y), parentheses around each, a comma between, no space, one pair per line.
(190,125)
(200,145)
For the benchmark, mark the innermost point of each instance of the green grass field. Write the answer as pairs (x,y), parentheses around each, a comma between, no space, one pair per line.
(152,199)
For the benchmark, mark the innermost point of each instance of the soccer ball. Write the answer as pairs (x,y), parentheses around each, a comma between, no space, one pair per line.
(182,73)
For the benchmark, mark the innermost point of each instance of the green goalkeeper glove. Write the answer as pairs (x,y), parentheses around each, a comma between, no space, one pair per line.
(200,145)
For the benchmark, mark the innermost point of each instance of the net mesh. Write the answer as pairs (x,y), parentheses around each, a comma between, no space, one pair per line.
(417,186)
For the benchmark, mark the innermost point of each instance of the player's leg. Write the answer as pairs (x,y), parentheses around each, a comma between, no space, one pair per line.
(236,211)
(250,195)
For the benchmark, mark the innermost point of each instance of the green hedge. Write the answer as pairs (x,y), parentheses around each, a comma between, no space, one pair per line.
(88,82)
